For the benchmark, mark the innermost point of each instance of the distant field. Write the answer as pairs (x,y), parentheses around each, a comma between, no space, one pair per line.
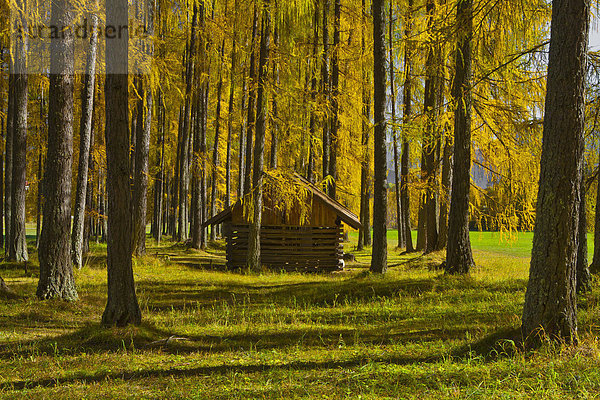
(514,244)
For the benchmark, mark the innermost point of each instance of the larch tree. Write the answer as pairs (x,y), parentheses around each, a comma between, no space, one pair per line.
(459,258)
(253,259)
(17,245)
(85,132)
(550,308)
(56,267)
(379,256)
(406,119)
(122,307)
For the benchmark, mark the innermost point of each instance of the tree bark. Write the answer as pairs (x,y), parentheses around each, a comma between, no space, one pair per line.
(379,256)
(253,260)
(446,193)
(407,115)
(10,123)
(215,158)
(122,306)
(325,92)
(335,103)
(251,119)
(230,110)
(550,301)
(17,249)
(85,130)
(584,279)
(399,221)
(459,258)
(431,140)
(56,268)
(140,184)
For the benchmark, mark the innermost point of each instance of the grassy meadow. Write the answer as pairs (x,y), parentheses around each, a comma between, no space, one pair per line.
(210,334)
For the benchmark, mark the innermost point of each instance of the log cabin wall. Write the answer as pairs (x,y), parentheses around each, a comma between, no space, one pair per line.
(289,248)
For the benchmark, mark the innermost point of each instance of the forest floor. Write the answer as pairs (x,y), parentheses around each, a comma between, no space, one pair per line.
(210,334)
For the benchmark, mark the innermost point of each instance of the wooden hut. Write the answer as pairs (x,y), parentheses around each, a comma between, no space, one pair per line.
(305,235)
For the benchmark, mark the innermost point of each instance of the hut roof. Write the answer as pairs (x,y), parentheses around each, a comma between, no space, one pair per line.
(345,215)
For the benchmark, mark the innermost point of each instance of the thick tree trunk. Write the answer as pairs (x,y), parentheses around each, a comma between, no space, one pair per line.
(122,306)
(85,130)
(379,257)
(17,249)
(550,302)
(459,258)
(253,260)
(56,268)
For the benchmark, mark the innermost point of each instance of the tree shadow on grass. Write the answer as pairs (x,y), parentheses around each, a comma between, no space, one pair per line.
(224,369)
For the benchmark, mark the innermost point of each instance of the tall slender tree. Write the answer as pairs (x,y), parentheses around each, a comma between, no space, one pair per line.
(85,131)
(379,257)
(253,260)
(550,301)
(406,119)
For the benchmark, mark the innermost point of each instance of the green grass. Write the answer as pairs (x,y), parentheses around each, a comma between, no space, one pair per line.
(210,334)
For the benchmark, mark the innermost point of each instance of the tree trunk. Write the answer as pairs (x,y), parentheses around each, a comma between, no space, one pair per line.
(407,115)
(215,158)
(584,279)
(85,130)
(122,306)
(40,188)
(335,103)
(140,184)
(10,124)
(275,124)
(446,193)
(364,233)
(56,268)
(242,143)
(230,112)
(379,257)
(325,93)
(310,169)
(431,140)
(17,249)
(401,231)
(459,258)
(253,261)
(550,302)
(250,121)
(595,265)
